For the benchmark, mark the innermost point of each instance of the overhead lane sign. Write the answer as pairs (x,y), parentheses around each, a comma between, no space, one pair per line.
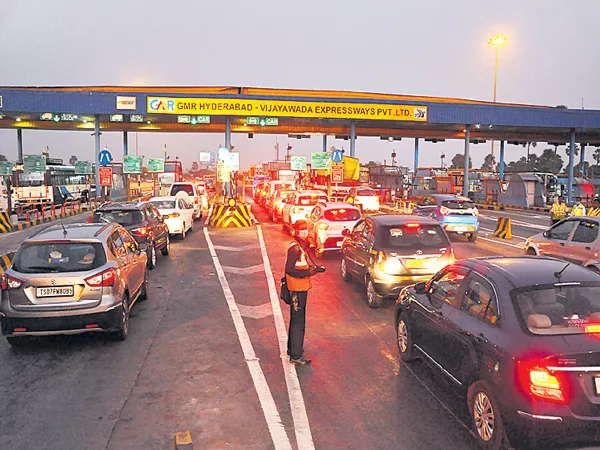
(285,108)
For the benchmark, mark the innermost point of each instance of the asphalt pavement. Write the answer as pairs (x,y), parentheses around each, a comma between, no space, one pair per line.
(204,354)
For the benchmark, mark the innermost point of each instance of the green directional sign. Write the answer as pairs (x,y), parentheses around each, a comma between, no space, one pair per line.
(116,117)
(132,164)
(156,165)
(320,160)
(136,118)
(34,164)
(6,167)
(253,121)
(298,163)
(203,119)
(83,168)
(271,121)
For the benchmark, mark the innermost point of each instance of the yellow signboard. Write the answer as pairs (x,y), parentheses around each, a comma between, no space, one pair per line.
(285,108)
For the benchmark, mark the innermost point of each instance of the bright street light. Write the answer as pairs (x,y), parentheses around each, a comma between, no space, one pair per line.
(497,41)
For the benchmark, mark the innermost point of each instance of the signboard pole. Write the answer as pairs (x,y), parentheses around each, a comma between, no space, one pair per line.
(128,186)
(154,184)
(329,185)
(97,145)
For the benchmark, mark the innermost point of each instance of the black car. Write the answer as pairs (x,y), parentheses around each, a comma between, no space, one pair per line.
(143,221)
(517,337)
(388,251)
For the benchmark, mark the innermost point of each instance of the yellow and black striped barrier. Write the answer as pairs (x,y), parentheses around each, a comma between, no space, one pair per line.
(6,225)
(503,228)
(231,215)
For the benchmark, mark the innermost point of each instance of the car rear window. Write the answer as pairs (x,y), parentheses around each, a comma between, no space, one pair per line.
(164,204)
(458,204)
(558,309)
(414,236)
(51,257)
(187,188)
(341,215)
(366,193)
(311,200)
(125,218)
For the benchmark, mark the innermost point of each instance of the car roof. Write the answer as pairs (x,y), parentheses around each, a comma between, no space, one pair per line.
(74,231)
(331,205)
(114,206)
(168,197)
(401,219)
(312,192)
(182,182)
(530,270)
(445,197)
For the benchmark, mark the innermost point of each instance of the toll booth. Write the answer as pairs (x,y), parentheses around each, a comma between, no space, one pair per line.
(484,187)
(582,187)
(523,190)
(429,181)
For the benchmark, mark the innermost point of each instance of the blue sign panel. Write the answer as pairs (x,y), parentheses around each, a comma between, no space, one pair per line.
(337,156)
(104,157)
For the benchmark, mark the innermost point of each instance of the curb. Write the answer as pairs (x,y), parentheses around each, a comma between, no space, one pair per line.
(512,207)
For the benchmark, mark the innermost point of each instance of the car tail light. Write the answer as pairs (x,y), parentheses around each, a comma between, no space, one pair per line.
(389,266)
(142,231)
(541,382)
(444,211)
(174,215)
(296,210)
(89,220)
(413,226)
(196,200)
(475,212)
(323,226)
(9,283)
(106,278)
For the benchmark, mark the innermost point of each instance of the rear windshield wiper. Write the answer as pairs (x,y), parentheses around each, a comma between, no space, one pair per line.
(42,268)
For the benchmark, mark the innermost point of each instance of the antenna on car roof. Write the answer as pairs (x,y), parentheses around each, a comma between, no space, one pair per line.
(558,274)
(64,229)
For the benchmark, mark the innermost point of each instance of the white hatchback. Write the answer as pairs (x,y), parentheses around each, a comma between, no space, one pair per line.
(365,198)
(177,214)
(297,209)
(326,224)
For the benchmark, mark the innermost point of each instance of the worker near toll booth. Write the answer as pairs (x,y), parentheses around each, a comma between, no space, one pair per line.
(578,209)
(297,275)
(595,209)
(558,211)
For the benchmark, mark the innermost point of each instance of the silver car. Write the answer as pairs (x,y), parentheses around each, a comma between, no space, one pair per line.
(73,279)
(576,240)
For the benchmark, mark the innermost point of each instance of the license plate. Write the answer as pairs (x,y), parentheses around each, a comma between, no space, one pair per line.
(339,244)
(459,228)
(66,291)
(597,383)
(415,264)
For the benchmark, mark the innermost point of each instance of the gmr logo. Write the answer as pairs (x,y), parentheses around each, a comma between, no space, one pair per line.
(157,104)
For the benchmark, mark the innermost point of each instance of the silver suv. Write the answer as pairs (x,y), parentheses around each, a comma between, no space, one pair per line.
(73,279)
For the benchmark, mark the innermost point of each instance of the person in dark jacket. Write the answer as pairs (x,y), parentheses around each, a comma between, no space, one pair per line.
(297,274)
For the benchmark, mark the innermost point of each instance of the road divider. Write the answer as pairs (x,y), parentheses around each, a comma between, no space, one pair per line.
(514,207)
(6,261)
(503,228)
(231,216)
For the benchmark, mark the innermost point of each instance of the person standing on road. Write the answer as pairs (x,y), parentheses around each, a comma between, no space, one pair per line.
(558,211)
(595,210)
(578,208)
(297,275)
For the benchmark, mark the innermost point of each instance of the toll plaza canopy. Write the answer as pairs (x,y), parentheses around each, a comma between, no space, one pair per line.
(288,111)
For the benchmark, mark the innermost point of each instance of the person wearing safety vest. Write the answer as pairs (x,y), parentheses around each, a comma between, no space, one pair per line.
(297,275)
(578,208)
(558,211)
(595,210)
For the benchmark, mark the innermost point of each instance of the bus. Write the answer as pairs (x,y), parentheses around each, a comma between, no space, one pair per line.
(56,185)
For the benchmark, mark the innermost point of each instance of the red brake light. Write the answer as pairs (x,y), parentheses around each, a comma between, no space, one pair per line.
(142,231)
(106,278)
(444,211)
(9,283)
(196,200)
(413,226)
(296,210)
(541,382)
(174,215)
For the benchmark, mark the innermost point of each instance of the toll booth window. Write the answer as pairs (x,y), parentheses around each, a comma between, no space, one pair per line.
(586,232)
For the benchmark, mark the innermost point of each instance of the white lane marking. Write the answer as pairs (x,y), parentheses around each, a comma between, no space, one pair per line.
(514,235)
(236,249)
(208,215)
(244,270)
(301,424)
(521,247)
(256,312)
(524,224)
(276,428)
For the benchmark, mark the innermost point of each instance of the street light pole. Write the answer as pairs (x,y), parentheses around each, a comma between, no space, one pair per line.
(497,41)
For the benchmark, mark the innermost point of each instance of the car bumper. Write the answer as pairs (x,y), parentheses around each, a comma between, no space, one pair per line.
(175,225)
(461,228)
(61,324)
(330,243)
(391,285)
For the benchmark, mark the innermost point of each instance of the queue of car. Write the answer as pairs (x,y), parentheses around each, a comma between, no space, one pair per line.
(81,278)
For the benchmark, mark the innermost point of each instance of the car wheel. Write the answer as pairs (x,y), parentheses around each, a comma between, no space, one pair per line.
(191,227)
(404,340)
(145,286)
(122,324)
(344,270)
(472,237)
(18,341)
(531,252)
(167,248)
(183,233)
(485,414)
(151,256)
(373,299)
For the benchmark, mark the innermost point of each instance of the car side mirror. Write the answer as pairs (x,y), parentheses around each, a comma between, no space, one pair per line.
(420,288)
(546,233)
(345,232)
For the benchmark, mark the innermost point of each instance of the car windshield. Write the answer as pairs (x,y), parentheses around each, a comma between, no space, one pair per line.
(164,204)
(187,188)
(458,204)
(366,193)
(54,257)
(282,187)
(414,236)
(561,308)
(124,218)
(311,200)
(342,214)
